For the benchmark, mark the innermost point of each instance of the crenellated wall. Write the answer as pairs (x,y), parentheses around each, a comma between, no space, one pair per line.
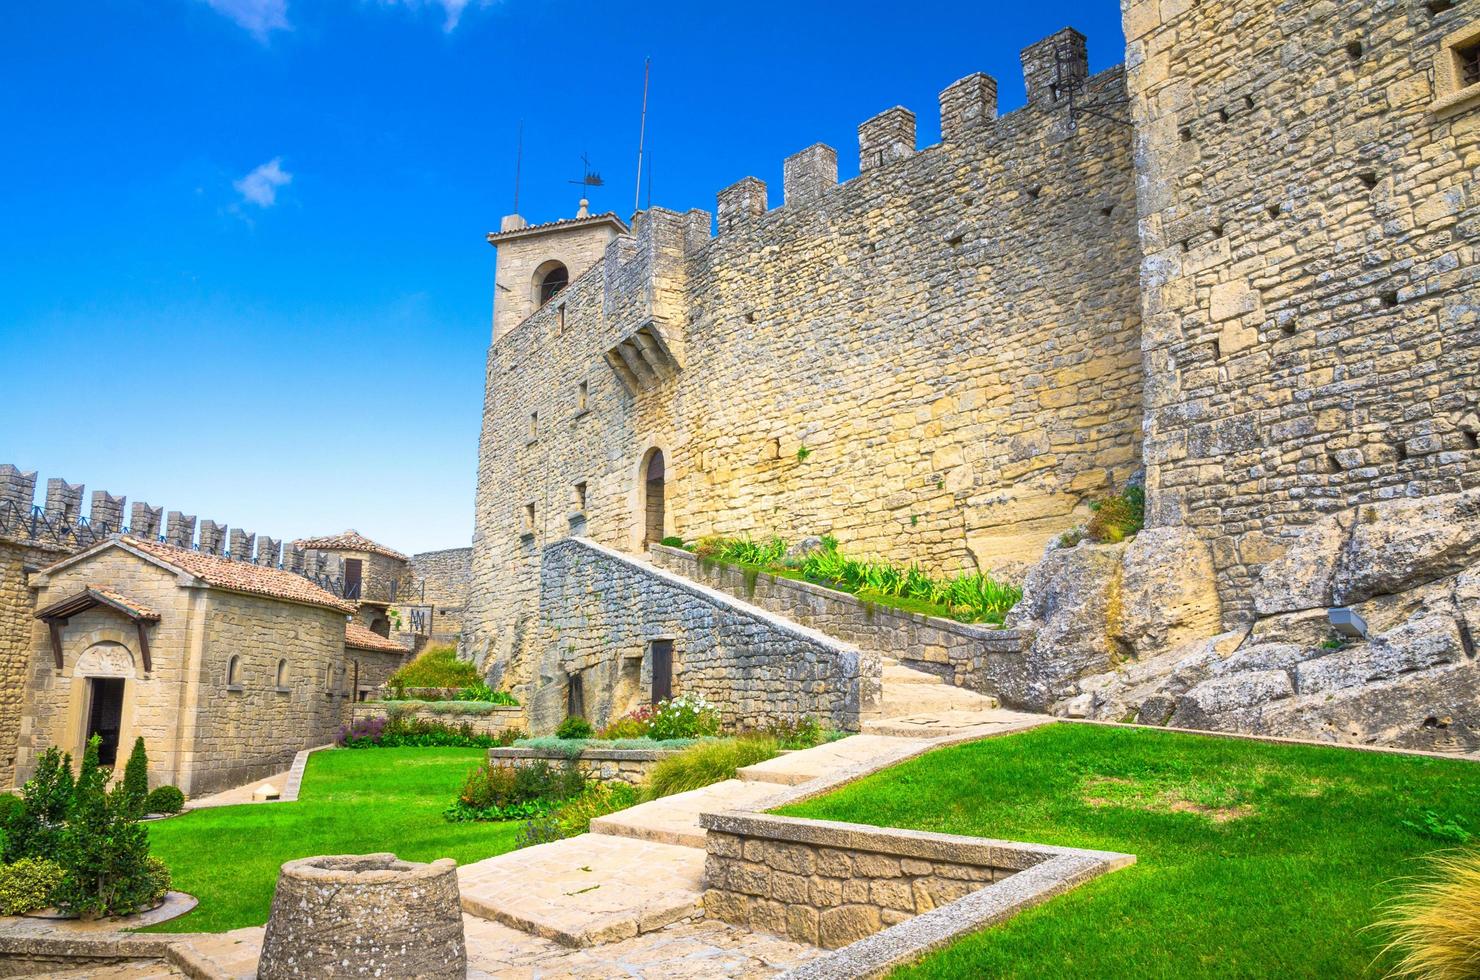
(936,361)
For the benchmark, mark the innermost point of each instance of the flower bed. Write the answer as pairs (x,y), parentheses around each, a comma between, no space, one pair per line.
(481,720)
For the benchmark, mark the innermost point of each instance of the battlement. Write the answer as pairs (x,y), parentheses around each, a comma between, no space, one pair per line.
(58,522)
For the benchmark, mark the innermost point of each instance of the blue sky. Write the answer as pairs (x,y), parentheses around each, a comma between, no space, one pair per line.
(242,271)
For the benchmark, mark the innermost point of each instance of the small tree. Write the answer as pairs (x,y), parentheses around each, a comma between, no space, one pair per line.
(36,830)
(136,777)
(104,851)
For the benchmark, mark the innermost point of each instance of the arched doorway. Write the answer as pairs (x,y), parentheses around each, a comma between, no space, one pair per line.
(653,472)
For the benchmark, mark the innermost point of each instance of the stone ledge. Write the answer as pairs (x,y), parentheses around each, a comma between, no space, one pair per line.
(587,755)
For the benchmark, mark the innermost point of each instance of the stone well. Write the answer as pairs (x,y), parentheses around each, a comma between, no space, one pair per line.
(364,915)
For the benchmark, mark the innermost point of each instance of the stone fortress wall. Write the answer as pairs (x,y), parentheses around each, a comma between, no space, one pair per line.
(1309,217)
(937,361)
(438,583)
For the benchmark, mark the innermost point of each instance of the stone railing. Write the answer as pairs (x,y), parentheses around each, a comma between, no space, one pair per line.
(967,655)
(630,766)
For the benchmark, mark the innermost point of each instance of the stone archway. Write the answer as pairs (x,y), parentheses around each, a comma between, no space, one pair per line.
(103,672)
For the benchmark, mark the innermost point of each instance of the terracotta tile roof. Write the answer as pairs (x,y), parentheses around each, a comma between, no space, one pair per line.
(360,638)
(606,217)
(350,540)
(239,576)
(135,609)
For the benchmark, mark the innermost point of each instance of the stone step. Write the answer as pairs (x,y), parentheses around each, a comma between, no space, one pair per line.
(795,768)
(586,890)
(902,699)
(675,819)
(895,674)
(942,724)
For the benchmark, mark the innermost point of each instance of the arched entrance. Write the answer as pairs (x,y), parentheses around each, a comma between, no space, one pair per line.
(653,489)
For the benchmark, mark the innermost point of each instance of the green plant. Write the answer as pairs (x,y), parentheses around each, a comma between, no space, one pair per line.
(1071,537)
(624,728)
(686,716)
(574,816)
(1118,517)
(165,799)
(709,762)
(500,792)
(28,885)
(799,733)
(103,849)
(802,453)
(136,778)
(574,727)
(46,799)
(437,666)
(1334,641)
(482,693)
(1435,924)
(1455,830)
(672,541)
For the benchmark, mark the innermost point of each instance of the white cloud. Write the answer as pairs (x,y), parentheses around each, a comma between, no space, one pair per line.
(260,187)
(260,17)
(452,10)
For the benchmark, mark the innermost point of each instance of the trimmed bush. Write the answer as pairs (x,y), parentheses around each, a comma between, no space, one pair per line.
(574,727)
(709,762)
(437,667)
(136,777)
(27,885)
(103,849)
(165,799)
(672,541)
(1435,925)
(399,731)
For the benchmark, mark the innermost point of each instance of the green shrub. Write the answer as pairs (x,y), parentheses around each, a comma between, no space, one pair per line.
(136,777)
(398,730)
(709,762)
(103,849)
(571,748)
(436,667)
(624,728)
(28,885)
(574,727)
(801,733)
(672,541)
(686,716)
(497,792)
(157,881)
(47,798)
(165,799)
(1119,517)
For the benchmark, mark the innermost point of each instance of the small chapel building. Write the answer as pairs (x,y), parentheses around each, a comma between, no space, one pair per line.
(227,669)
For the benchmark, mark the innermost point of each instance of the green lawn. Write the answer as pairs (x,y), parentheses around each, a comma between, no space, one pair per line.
(353,801)
(1253,860)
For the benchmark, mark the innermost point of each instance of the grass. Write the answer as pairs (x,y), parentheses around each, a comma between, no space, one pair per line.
(436,667)
(1254,860)
(709,762)
(351,803)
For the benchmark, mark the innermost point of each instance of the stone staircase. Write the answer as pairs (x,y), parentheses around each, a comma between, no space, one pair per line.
(917,704)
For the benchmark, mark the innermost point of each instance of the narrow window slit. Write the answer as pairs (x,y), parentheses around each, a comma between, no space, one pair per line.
(1369,180)
(1354,50)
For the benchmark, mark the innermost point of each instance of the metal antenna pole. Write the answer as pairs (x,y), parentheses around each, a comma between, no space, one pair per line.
(647,66)
(518,165)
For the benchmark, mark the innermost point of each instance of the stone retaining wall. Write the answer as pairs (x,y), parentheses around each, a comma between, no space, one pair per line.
(831,884)
(500,718)
(630,766)
(976,657)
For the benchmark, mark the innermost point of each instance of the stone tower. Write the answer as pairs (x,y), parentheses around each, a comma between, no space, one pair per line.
(536,261)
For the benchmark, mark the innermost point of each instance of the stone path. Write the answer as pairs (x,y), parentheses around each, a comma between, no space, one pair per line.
(130,970)
(286,782)
(675,819)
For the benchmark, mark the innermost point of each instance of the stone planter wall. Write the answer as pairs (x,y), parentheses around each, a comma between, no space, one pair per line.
(630,766)
(496,721)
(979,658)
(831,884)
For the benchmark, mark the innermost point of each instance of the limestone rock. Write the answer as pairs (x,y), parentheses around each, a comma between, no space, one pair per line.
(1204,705)
(1399,544)
(1167,591)
(1411,647)
(1302,577)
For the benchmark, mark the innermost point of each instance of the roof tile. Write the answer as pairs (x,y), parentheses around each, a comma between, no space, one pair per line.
(239,576)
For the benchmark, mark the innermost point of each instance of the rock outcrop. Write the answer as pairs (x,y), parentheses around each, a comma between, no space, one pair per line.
(1409,568)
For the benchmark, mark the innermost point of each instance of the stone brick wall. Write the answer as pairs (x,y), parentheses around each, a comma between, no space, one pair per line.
(971,656)
(937,361)
(255,730)
(831,884)
(439,581)
(599,611)
(1312,337)
(501,718)
(630,766)
(15,640)
(374,668)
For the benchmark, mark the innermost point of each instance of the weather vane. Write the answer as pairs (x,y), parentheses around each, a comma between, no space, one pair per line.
(591,177)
